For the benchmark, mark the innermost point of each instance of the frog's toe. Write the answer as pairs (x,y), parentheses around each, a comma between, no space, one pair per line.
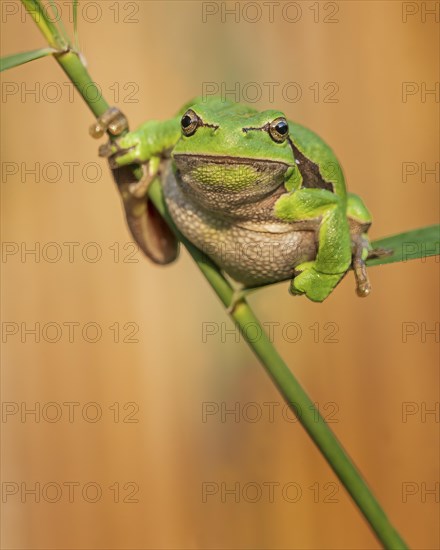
(107,149)
(123,157)
(112,150)
(112,121)
(150,169)
(315,285)
(122,151)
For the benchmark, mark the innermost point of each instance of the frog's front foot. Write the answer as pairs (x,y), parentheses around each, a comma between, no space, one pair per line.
(314,284)
(125,150)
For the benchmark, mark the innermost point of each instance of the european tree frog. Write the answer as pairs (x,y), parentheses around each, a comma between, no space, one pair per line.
(264,197)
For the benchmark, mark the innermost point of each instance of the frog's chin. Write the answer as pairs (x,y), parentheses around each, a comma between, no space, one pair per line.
(224,182)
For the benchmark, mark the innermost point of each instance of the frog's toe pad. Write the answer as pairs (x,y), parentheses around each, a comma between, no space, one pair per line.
(112,121)
(314,284)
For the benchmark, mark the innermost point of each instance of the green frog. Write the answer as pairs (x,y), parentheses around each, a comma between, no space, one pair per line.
(262,196)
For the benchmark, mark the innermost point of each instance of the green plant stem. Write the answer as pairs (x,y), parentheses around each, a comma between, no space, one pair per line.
(287,384)
(72,65)
(46,26)
(68,59)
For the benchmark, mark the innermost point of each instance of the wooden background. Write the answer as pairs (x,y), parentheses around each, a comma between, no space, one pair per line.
(371,365)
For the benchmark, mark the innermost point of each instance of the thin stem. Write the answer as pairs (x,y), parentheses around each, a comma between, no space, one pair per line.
(62,28)
(287,384)
(72,65)
(46,26)
(68,59)
(75,25)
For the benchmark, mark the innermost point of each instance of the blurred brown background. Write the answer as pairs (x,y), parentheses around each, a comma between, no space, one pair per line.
(163,451)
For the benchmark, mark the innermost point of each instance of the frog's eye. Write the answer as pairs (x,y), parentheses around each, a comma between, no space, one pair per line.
(190,122)
(279,129)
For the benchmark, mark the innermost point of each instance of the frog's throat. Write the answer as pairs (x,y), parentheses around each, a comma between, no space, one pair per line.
(229,185)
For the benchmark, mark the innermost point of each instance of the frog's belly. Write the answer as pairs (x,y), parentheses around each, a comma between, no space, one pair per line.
(250,256)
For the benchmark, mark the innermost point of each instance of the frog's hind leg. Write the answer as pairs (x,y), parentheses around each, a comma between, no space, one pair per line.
(147,227)
(316,279)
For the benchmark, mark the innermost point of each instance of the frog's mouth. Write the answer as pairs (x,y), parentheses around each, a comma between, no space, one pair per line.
(232,175)
(201,158)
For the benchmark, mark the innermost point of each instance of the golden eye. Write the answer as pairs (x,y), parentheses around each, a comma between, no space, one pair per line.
(190,122)
(279,129)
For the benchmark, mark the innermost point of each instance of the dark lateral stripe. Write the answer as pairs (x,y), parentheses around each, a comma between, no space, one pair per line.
(309,171)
